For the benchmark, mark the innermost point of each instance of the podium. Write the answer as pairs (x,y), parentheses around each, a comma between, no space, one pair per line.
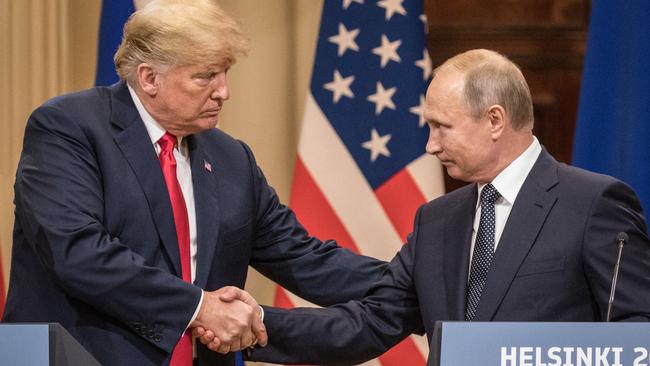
(41,345)
(540,344)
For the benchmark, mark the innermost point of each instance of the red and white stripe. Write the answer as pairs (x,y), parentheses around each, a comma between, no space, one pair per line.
(332,199)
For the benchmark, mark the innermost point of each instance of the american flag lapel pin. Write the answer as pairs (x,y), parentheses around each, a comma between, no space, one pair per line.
(207,166)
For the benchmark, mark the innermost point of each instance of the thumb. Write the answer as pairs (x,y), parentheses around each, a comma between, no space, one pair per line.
(230,294)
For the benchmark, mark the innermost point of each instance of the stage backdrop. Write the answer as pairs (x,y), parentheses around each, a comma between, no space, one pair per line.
(50,47)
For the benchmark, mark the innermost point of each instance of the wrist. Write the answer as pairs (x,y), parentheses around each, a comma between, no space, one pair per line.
(200,313)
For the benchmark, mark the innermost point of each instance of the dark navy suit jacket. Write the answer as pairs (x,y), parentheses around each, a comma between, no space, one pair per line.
(554,262)
(95,247)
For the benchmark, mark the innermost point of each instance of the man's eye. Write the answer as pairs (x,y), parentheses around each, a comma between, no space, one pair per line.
(207,76)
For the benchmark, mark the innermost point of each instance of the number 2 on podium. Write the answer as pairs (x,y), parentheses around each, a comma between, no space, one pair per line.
(641,356)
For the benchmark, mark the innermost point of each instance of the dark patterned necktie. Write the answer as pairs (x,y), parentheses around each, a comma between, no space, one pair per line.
(483,250)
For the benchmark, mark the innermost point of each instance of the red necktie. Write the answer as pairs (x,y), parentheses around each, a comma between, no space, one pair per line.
(182,354)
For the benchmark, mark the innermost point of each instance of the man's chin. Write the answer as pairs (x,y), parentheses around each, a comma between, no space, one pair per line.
(456,174)
(451,171)
(209,123)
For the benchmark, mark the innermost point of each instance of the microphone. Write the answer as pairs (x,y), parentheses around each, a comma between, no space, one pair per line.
(621,238)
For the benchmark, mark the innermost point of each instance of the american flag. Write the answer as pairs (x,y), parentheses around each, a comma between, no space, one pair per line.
(361,171)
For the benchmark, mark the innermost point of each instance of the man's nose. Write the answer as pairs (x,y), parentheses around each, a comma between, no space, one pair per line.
(221,90)
(433,143)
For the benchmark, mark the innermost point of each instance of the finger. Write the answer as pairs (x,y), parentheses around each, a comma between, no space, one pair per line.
(223,349)
(204,340)
(214,345)
(259,330)
(208,337)
(198,332)
(247,339)
(236,345)
(230,293)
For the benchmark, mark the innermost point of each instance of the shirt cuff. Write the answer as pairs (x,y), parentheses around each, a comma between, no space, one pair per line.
(196,312)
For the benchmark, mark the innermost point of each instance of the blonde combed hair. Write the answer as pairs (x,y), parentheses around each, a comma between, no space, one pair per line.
(491,78)
(178,33)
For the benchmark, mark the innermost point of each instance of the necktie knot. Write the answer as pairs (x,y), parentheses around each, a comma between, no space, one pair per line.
(489,194)
(167,142)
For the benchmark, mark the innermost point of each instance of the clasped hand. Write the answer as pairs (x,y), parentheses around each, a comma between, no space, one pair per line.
(229,320)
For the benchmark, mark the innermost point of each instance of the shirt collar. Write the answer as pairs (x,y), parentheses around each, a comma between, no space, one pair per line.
(154,129)
(510,180)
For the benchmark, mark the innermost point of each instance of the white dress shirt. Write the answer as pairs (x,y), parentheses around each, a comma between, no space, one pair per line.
(507,183)
(183,174)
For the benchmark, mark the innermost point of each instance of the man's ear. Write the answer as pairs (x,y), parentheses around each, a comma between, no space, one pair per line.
(147,79)
(496,114)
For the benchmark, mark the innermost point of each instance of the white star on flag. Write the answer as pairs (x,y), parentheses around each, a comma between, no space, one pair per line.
(423,18)
(373,144)
(392,7)
(388,50)
(377,145)
(340,86)
(419,111)
(346,3)
(425,64)
(382,98)
(345,39)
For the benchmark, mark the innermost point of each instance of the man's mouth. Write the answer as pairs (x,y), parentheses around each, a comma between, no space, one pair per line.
(211,113)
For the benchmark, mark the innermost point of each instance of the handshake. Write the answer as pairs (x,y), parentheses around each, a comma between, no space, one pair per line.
(229,320)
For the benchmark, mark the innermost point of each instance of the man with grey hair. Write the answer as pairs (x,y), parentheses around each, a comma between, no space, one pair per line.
(134,214)
(530,239)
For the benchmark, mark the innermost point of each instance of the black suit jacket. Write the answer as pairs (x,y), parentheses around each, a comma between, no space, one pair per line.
(95,247)
(554,262)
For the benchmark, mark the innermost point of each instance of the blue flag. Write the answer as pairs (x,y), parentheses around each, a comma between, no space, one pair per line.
(114,15)
(613,128)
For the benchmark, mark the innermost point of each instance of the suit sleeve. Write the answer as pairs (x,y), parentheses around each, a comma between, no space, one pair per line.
(319,271)
(60,205)
(616,210)
(352,332)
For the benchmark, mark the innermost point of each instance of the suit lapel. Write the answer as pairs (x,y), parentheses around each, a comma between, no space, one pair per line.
(457,238)
(133,140)
(526,219)
(204,180)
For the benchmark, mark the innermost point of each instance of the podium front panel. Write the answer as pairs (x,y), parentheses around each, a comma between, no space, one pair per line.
(540,344)
(44,344)
(24,345)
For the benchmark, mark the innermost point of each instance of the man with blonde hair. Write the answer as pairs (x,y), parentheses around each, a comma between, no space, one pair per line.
(530,239)
(134,215)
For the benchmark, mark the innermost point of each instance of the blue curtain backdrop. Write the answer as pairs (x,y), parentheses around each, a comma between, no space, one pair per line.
(613,125)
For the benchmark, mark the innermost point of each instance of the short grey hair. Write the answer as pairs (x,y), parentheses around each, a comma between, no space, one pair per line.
(491,78)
